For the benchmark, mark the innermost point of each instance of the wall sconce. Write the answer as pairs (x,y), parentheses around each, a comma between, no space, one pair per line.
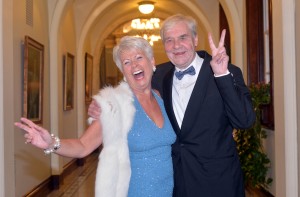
(146,7)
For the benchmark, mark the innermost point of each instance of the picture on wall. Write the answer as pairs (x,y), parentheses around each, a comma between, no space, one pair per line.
(88,77)
(33,80)
(68,81)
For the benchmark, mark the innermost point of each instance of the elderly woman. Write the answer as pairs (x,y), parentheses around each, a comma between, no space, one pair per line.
(133,127)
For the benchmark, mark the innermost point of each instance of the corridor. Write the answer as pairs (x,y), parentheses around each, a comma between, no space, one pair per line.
(81,182)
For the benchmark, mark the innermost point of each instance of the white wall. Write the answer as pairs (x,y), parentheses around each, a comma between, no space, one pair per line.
(2,177)
(8,105)
(297,22)
(31,165)
(285,99)
(67,44)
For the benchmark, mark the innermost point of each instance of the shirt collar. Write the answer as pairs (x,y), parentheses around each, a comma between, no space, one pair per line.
(197,63)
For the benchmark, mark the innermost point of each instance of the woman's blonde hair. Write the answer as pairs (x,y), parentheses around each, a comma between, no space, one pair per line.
(129,43)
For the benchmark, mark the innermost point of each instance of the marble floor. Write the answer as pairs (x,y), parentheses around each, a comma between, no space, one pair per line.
(81,182)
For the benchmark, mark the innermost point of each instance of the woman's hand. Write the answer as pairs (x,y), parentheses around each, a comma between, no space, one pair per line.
(35,134)
(220,59)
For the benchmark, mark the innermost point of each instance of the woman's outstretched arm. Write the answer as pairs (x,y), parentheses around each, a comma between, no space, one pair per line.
(75,148)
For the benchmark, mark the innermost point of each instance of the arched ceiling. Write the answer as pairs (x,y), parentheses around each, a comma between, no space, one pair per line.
(96,19)
(101,18)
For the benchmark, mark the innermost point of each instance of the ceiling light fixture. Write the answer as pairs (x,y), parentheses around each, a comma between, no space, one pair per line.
(142,27)
(146,7)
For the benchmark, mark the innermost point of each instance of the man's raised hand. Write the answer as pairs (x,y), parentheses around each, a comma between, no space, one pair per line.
(220,59)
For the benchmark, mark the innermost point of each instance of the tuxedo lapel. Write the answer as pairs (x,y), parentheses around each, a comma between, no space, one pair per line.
(196,100)
(198,93)
(168,84)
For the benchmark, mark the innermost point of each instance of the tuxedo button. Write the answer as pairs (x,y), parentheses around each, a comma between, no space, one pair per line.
(181,145)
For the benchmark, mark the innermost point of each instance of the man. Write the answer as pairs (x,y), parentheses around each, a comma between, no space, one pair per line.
(203,106)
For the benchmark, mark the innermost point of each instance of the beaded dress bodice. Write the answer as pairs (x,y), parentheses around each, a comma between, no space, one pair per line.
(150,155)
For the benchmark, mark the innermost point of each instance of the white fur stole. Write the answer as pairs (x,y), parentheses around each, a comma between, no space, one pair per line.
(117,114)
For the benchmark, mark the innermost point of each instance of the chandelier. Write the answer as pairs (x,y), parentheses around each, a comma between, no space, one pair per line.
(146,7)
(146,28)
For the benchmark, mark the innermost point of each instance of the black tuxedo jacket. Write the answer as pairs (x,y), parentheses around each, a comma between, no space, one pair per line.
(205,158)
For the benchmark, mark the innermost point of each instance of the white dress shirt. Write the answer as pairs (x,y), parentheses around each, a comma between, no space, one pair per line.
(182,89)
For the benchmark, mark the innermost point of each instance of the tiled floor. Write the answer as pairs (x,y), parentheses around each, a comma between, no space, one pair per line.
(81,182)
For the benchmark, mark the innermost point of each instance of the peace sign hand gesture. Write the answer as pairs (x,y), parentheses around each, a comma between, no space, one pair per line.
(220,59)
(35,134)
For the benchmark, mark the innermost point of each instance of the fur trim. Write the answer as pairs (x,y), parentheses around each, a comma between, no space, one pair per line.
(117,114)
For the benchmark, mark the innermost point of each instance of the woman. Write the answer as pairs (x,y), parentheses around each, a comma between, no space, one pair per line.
(141,166)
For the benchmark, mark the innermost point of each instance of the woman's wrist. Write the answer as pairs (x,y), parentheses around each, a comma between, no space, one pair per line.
(55,145)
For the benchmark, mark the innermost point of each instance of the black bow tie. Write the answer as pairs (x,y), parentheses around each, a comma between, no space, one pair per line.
(190,71)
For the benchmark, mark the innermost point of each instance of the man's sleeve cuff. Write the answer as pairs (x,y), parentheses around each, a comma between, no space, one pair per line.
(227,73)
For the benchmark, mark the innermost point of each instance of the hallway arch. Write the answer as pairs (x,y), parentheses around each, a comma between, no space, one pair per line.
(53,56)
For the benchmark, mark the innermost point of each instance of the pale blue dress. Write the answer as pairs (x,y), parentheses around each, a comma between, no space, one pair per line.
(150,155)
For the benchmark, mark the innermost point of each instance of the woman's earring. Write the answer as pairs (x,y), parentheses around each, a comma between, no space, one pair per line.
(154,68)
